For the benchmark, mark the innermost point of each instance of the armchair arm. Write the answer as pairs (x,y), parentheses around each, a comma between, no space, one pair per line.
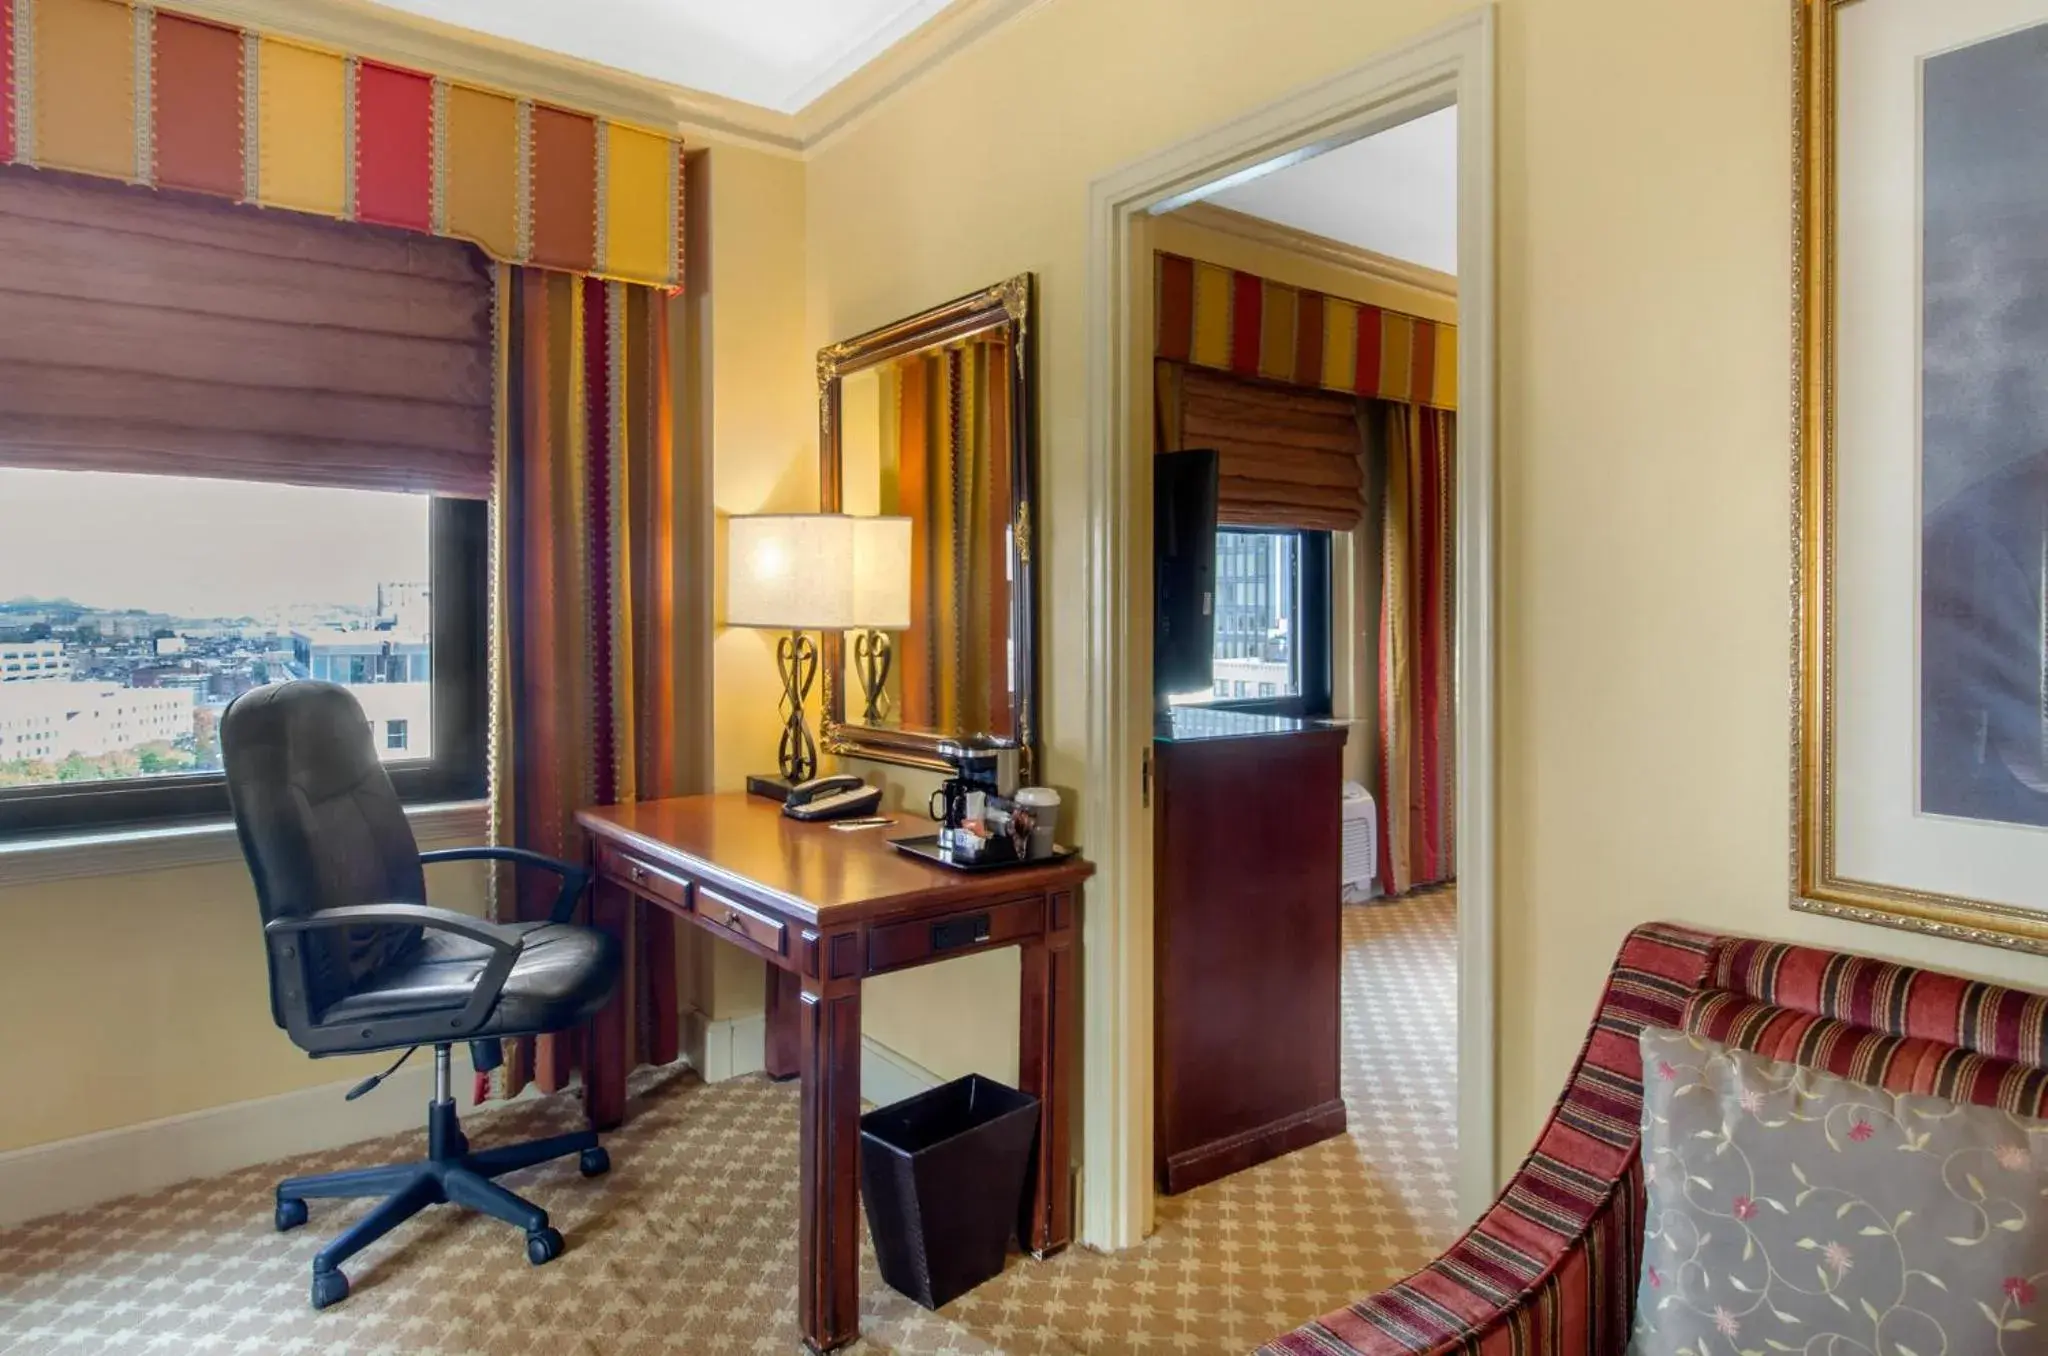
(504,942)
(1554,1261)
(574,878)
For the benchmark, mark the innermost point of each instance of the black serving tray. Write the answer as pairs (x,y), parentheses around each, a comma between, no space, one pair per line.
(927,847)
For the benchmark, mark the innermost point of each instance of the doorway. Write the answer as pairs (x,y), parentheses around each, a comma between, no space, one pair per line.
(1449,68)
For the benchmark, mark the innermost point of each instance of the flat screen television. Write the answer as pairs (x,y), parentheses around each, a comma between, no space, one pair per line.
(1183,573)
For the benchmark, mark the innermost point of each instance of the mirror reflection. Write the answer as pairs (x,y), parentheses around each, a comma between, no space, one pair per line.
(929,436)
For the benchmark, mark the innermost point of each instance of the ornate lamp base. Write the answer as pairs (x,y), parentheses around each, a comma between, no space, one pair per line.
(796,659)
(872,654)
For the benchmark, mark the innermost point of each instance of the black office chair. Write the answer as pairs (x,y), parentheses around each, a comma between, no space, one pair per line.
(359,961)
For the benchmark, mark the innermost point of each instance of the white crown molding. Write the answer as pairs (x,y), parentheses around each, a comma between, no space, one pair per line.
(1355,258)
(121,852)
(946,34)
(464,54)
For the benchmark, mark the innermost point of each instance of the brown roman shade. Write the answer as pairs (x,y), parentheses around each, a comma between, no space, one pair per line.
(159,333)
(1289,456)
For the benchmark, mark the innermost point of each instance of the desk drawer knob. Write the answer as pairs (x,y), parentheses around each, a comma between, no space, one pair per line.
(733,920)
(637,872)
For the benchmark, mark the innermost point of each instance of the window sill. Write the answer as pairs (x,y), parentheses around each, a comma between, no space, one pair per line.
(118,852)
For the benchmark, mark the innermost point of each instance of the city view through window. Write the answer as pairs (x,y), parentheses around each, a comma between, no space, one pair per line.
(1257,577)
(133,609)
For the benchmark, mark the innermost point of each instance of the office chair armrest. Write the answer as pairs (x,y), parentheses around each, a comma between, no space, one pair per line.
(494,935)
(574,878)
(505,944)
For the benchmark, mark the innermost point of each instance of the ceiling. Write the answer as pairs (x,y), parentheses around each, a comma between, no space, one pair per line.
(1395,193)
(775,54)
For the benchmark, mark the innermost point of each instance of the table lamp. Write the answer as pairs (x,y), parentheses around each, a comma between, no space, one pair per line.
(803,572)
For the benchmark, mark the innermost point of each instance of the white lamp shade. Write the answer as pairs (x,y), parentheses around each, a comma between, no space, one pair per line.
(817,572)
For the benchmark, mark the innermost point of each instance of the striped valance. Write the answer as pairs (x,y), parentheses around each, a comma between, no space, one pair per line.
(1239,322)
(125,91)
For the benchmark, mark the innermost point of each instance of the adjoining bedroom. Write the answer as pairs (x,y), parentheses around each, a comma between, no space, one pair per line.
(1305,427)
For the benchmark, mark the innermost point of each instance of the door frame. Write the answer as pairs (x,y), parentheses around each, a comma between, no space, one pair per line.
(1452,64)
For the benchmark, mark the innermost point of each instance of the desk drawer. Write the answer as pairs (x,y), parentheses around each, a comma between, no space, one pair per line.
(643,877)
(770,934)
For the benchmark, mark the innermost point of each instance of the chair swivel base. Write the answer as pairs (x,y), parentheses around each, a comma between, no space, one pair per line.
(451,1175)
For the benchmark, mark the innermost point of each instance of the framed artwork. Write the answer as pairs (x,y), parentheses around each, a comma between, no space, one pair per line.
(1920,708)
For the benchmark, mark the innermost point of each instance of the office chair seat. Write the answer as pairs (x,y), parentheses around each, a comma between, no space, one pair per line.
(562,976)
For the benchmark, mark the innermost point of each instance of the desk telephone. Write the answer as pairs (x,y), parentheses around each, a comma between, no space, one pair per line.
(833,797)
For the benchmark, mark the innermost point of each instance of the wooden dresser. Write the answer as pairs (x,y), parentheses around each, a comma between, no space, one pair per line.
(1247,859)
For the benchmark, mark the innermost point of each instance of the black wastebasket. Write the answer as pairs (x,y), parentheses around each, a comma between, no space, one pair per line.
(943,1174)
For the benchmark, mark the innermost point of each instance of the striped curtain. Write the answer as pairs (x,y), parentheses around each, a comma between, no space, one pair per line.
(1239,322)
(584,662)
(1418,727)
(948,431)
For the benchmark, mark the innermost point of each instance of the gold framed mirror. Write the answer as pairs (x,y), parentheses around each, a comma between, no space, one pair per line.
(934,418)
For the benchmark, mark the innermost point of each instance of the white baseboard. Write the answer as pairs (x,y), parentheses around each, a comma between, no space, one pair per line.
(70,1174)
(739,1046)
(886,1076)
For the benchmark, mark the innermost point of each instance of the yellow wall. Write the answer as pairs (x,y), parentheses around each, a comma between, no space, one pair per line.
(127,998)
(764,459)
(1644,262)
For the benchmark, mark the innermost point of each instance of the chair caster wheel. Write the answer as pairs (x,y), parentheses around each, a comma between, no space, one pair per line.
(290,1215)
(594,1163)
(543,1246)
(329,1287)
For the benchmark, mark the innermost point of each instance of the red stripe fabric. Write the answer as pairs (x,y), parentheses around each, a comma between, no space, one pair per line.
(1371,341)
(197,89)
(1176,340)
(1430,622)
(1422,365)
(600,609)
(1247,322)
(1308,340)
(394,146)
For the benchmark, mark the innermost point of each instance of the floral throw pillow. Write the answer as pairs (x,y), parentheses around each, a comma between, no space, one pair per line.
(1793,1211)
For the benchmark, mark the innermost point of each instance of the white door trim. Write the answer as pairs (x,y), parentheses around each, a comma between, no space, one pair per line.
(1451,64)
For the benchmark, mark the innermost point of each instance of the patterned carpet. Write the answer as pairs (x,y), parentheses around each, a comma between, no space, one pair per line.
(687,1247)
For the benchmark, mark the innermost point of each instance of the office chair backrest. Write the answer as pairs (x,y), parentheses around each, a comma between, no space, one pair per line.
(321,827)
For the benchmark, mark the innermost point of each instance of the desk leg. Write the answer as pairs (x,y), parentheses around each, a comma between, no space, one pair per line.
(604,1073)
(785,1020)
(1045,1068)
(828,1283)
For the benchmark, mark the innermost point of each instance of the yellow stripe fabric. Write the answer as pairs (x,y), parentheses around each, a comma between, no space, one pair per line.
(1445,378)
(636,215)
(1397,354)
(1212,315)
(85,87)
(301,128)
(480,173)
(1340,344)
(1277,317)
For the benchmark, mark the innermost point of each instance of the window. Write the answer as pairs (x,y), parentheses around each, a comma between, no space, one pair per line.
(193,591)
(1272,650)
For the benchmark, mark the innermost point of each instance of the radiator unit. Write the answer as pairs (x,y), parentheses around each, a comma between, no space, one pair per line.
(1361,845)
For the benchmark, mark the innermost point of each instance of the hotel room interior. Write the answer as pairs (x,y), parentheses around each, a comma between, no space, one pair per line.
(1023,676)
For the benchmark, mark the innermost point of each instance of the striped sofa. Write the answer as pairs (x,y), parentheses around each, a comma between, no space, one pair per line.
(1550,1269)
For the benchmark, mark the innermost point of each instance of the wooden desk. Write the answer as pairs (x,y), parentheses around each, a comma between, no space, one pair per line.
(825,910)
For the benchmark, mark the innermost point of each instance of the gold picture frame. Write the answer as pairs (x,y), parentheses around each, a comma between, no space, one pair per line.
(1818,886)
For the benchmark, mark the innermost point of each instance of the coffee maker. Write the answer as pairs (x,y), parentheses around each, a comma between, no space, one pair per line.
(980,772)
